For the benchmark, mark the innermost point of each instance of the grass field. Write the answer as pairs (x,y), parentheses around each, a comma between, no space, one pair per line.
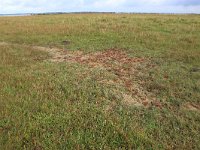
(132,81)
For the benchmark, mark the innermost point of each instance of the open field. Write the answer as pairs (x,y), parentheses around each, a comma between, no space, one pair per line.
(129,81)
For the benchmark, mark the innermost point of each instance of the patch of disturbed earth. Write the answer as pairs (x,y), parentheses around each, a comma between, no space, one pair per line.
(191,107)
(60,55)
(115,62)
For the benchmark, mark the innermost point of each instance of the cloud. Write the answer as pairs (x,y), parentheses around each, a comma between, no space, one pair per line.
(172,6)
(183,2)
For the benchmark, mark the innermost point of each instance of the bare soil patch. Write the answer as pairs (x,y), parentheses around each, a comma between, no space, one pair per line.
(192,107)
(114,61)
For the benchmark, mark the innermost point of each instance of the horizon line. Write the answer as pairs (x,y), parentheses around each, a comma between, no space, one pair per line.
(114,12)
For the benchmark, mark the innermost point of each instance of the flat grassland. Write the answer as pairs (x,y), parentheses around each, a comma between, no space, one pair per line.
(129,81)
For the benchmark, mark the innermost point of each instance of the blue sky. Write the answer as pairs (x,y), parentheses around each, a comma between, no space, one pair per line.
(148,6)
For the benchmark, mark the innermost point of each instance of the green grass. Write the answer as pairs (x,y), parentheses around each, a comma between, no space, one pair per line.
(46,105)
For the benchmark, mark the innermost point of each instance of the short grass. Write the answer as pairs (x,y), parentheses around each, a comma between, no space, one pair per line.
(47,105)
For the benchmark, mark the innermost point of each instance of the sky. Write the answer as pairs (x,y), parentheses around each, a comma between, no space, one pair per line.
(146,6)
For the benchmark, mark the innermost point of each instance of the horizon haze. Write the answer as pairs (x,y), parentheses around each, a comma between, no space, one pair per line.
(127,6)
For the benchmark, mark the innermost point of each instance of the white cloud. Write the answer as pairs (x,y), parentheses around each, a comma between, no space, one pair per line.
(172,6)
(109,3)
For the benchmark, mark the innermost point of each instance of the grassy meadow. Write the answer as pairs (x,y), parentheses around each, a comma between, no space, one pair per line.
(65,105)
